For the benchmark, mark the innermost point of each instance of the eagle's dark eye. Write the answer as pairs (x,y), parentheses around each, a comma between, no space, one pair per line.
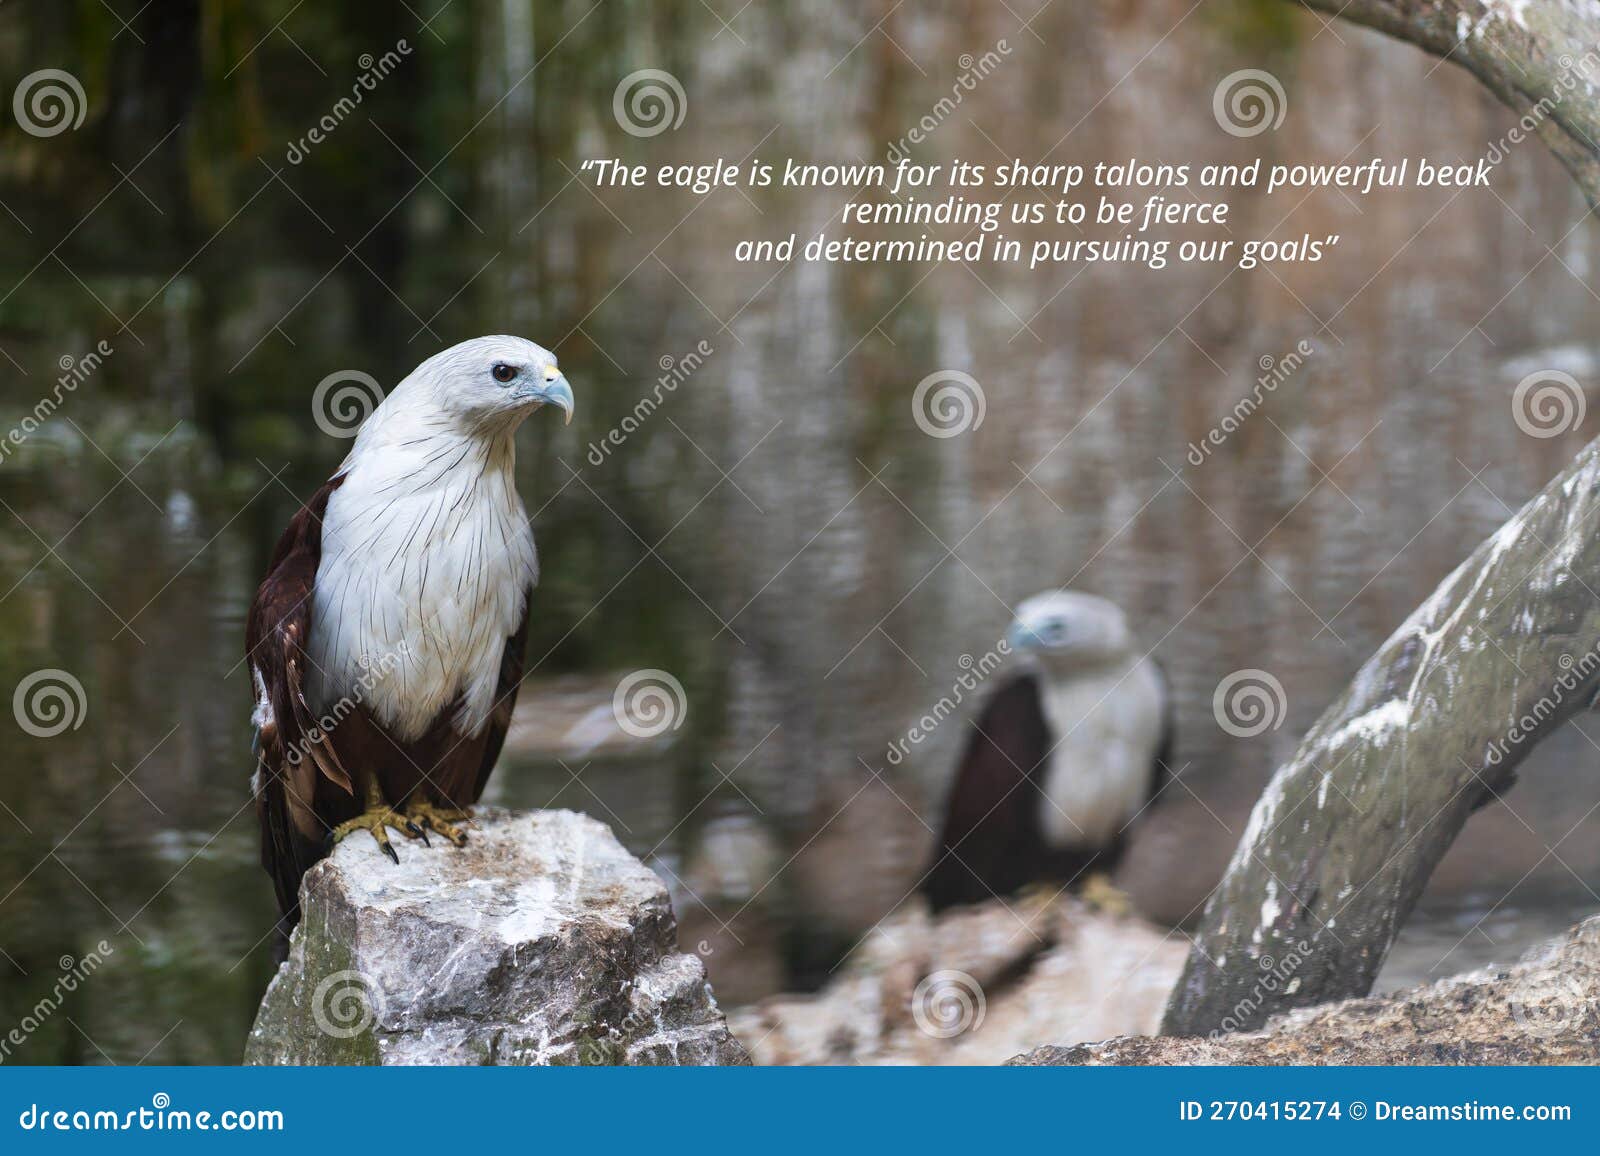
(503,372)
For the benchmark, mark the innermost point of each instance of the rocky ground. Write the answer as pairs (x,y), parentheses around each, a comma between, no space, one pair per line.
(1544,1010)
(975,986)
(541,942)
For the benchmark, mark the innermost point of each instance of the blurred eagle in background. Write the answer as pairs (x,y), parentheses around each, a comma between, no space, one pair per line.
(1061,759)
(385,643)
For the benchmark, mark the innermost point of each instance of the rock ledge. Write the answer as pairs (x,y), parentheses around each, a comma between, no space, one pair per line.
(541,942)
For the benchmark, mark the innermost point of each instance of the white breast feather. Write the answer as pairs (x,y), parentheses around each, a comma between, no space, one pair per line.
(427,556)
(1107,725)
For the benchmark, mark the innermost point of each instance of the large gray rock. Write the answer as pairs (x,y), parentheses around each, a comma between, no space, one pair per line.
(1544,1010)
(541,942)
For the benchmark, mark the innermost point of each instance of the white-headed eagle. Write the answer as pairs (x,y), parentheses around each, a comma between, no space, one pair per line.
(1062,756)
(386,641)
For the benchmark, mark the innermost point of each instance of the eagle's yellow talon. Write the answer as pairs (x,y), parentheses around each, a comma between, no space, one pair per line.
(1101,894)
(377,820)
(441,819)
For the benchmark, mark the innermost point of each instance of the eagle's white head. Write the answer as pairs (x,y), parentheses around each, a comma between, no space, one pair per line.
(1070,628)
(482,387)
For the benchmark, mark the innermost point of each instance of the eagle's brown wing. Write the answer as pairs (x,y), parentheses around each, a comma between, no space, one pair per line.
(505,698)
(295,761)
(991,843)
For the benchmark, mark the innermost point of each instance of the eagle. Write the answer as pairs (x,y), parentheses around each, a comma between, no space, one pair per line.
(385,642)
(1061,757)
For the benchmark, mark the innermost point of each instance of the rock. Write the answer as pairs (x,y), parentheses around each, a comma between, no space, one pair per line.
(540,942)
(974,985)
(1544,1010)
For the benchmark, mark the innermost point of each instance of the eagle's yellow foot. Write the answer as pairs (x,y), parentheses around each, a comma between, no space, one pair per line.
(376,819)
(1099,893)
(427,818)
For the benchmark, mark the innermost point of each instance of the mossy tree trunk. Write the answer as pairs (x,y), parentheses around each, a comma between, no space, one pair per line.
(1344,838)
